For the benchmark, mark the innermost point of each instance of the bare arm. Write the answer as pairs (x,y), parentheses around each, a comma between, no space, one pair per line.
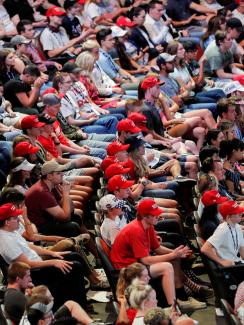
(211,253)
(224,75)
(60,50)
(202,9)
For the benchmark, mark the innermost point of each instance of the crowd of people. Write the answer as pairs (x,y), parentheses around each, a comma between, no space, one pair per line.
(143,101)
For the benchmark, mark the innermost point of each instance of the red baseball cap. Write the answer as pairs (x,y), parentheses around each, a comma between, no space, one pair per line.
(150,82)
(81,2)
(128,126)
(140,121)
(107,162)
(212,197)
(148,207)
(55,11)
(123,21)
(115,169)
(118,181)
(8,210)
(229,208)
(50,90)
(25,148)
(115,147)
(31,121)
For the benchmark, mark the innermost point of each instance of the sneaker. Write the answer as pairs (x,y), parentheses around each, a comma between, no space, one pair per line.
(182,179)
(101,274)
(191,304)
(101,285)
(82,238)
(206,292)
(191,275)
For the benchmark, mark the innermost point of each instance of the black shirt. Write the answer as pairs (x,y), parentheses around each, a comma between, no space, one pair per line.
(153,118)
(13,87)
(19,7)
(72,26)
(14,304)
(179,10)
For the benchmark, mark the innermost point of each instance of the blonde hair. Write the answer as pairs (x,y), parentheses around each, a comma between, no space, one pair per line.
(127,275)
(85,61)
(90,45)
(141,166)
(138,292)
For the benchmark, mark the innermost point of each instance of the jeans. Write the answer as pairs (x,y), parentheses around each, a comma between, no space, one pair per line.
(101,137)
(9,136)
(210,106)
(210,96)
(105,124)
(56,228)
(94,152)
(165,194)
(5,156)
(118,111)
(69,286)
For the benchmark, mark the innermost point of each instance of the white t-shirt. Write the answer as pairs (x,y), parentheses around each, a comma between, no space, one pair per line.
(92,10)
(12,245)
(5,20)
(51,41)
(227,240)
(138,321)
(111,228)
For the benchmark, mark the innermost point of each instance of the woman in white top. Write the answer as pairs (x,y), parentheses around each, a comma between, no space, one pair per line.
(114,221)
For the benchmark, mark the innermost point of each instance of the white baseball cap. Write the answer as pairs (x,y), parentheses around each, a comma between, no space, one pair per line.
(110,202)
(118,32)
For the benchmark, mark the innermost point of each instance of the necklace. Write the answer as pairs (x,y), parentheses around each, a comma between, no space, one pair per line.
(235,239)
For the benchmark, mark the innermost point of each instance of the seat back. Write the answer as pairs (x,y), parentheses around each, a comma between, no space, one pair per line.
(112,274)
(98,218)
(224,285)
(197,230)
(4,269)
(229,313)
(97,231)
(196,216)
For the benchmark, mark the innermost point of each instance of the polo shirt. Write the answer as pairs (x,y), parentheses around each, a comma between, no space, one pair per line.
(53,40)
(37,199)
(133,243)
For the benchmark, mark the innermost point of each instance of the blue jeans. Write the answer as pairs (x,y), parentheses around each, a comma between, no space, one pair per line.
(210,106)
(120,110)
(94,152)
(104,125)
(9,136)
(210,96)
(5,156)
(165,194)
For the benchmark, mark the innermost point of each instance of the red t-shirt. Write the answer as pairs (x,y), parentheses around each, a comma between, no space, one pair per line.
(132,243)
(39,198)
(59,133)
(49,145)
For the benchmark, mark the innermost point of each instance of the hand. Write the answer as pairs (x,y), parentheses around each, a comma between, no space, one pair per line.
(160,48)
(87,32)
(178,252)
(168,22)
(58,66)
(66,187)
(227,262)
(122,300)
(59,255)
(118,90)
(85,149)
(39,82)
(64,266)
(12,114)
(150,156)
(104,112)
(191,18)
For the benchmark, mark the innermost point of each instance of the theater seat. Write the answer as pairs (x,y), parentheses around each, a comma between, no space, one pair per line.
(111,273)
(97,230)
(4,270)
(223,279)
(229,313)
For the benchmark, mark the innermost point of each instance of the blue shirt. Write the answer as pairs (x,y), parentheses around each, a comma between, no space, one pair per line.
(108,65)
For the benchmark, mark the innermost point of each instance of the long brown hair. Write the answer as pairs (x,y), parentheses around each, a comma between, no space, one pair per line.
(127,275)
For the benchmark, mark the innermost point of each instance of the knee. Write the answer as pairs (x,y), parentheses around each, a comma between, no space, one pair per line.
(191,166)
(167,269)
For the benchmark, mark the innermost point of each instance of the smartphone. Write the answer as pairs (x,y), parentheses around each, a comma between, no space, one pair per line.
(176,307)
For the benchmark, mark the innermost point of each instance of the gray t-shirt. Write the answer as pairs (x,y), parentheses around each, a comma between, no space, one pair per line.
(216,59)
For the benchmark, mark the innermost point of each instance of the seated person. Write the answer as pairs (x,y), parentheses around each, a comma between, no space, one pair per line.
(8,27)
(232,153)
(226,245)
(219,58)
(208,208)
(14,248)
(112,217)
(54,39)
(20,93)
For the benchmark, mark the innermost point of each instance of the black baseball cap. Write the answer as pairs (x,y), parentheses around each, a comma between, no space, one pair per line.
(71,67)
(235,23)
(69,3)
(47,119)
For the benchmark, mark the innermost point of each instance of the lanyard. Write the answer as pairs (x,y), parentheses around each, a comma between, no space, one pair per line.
(235,240)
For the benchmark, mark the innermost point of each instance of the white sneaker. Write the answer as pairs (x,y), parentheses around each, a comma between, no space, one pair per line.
(191,304)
